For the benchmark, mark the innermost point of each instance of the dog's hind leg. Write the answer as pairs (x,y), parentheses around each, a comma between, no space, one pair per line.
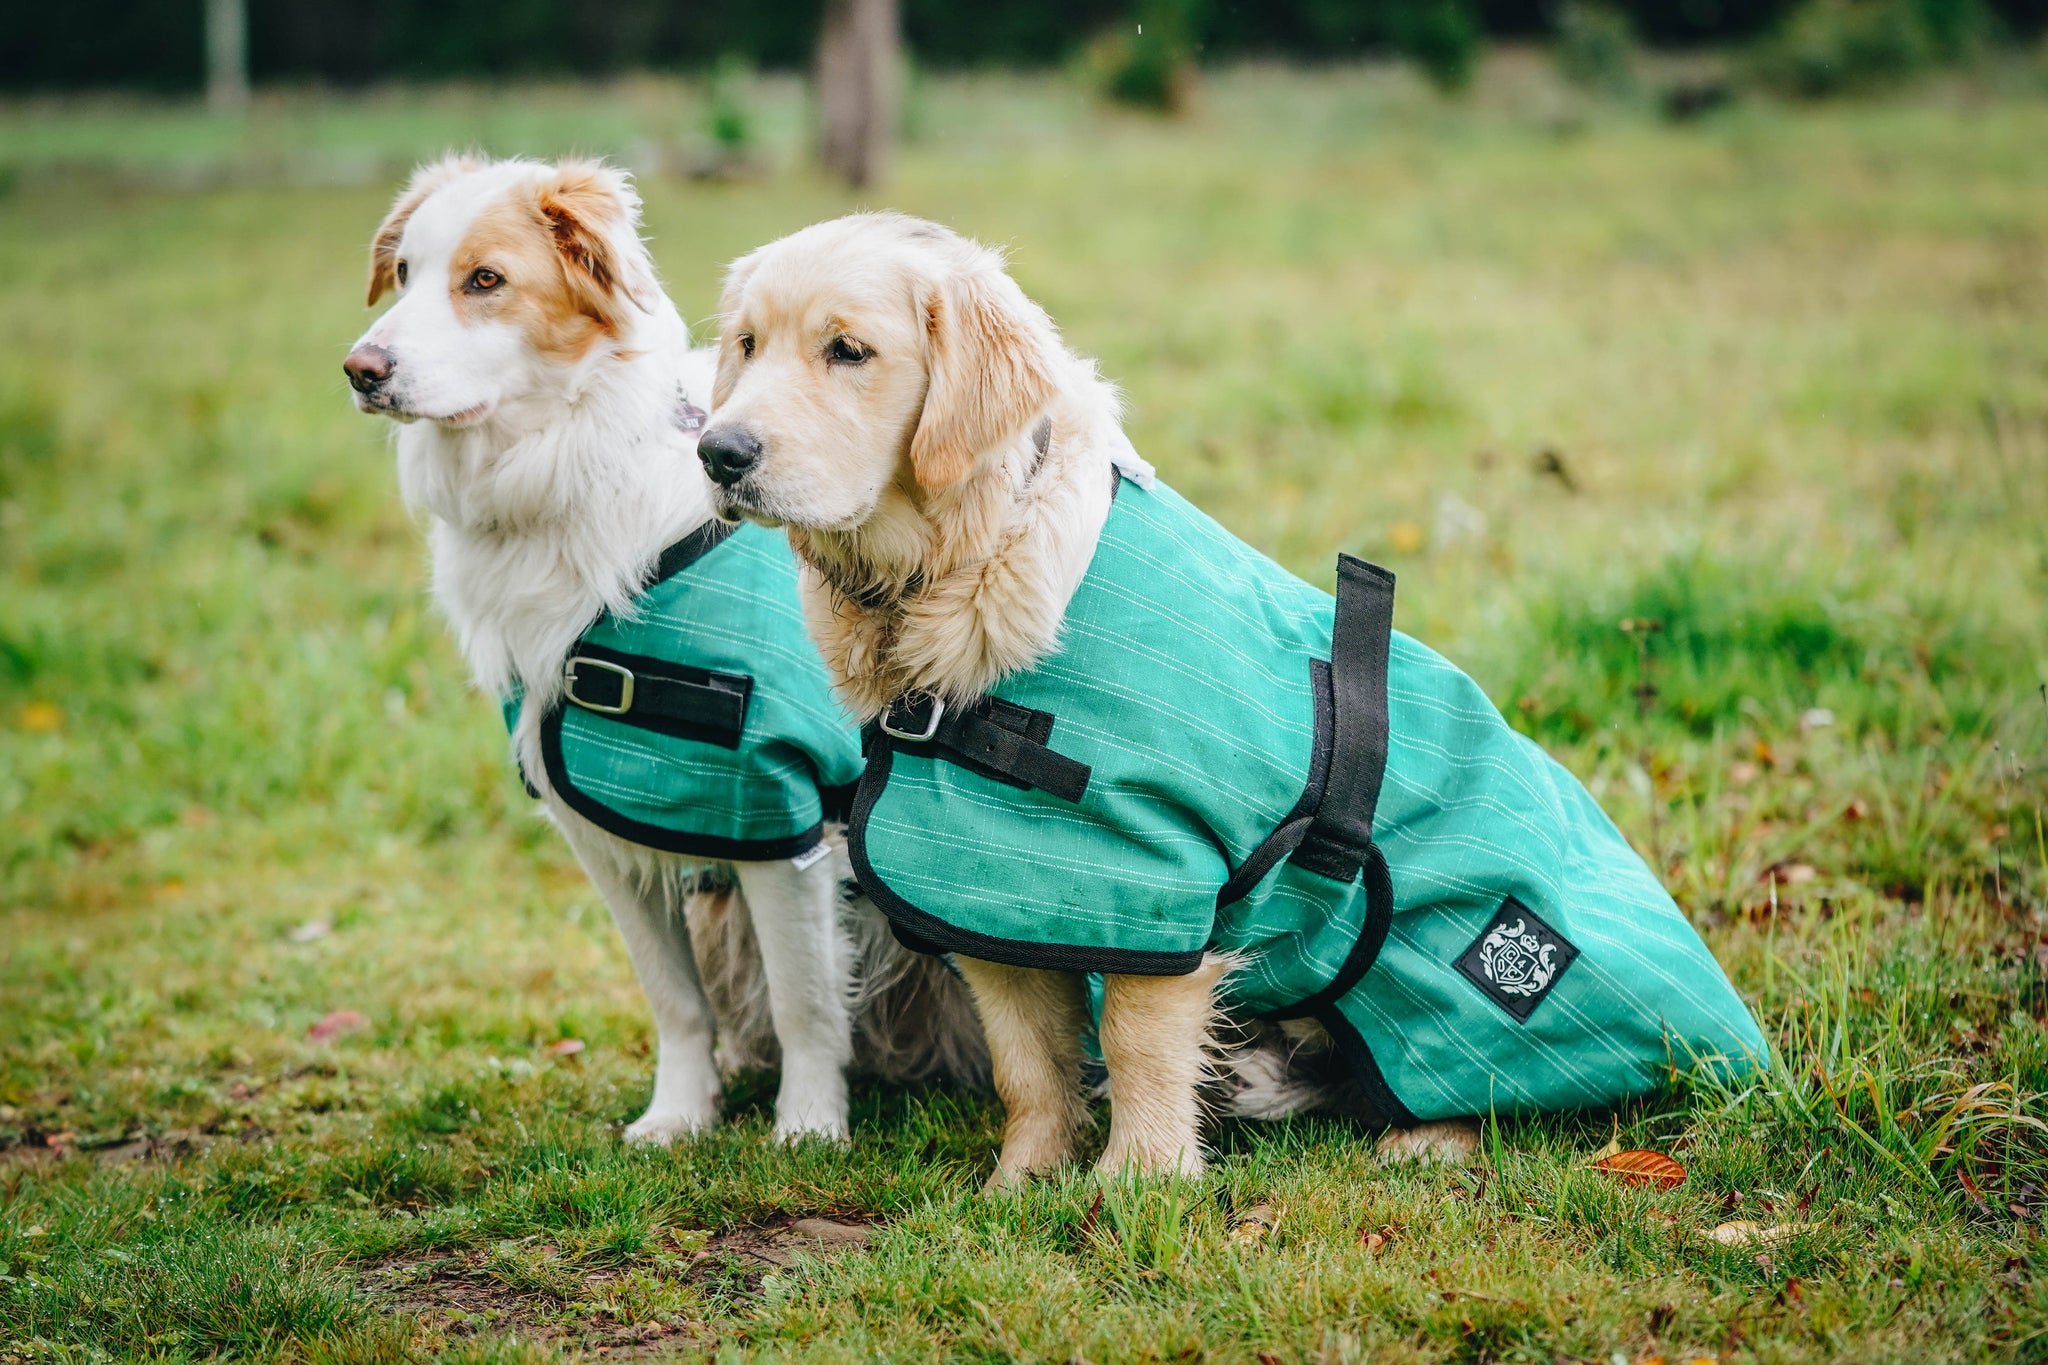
(1033,1021)
(1155,1041)
(806,959)
(686,1087)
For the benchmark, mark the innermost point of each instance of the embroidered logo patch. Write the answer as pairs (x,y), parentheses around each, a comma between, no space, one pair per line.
(1516,959)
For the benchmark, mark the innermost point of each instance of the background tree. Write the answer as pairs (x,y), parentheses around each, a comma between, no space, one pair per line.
(859,81)
(227,56)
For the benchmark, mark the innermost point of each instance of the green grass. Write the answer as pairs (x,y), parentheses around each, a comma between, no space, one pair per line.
(1790,362)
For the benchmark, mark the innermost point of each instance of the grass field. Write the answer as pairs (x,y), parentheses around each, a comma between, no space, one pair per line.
(1775,384)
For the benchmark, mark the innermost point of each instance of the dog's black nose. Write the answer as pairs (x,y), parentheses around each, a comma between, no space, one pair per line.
(367,367)
(728,453)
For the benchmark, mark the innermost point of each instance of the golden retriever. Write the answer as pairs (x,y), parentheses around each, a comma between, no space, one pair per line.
(943,464)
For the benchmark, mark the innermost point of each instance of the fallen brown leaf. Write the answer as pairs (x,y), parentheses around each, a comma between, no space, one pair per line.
(1254,1225)
(1642,1167)
(567,1047)
(334,1025)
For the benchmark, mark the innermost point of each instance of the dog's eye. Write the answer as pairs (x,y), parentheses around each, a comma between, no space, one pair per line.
(401,274)
(483,280)
(747,344)
(846,351)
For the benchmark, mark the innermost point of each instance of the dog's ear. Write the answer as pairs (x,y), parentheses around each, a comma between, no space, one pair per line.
(994,366)
(736,276)
(593,214)
(384,246)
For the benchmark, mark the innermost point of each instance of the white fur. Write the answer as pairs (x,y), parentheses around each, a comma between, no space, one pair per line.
(550,490)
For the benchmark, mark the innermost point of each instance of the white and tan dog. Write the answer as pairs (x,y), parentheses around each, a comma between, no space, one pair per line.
(537,369)
(942,462)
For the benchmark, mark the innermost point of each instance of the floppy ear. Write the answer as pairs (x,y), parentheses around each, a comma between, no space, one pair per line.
(994,362)
(384,246)
(736,276)
(593,214)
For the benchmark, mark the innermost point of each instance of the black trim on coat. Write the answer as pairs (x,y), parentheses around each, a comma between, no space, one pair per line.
(1383,1106)
(657,836)
(921,931)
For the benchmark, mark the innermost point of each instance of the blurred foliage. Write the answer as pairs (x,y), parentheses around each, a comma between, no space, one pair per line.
(728,117)
(1829,47)
(1442,37)
(150,45)
(1596,48)
(1151,64)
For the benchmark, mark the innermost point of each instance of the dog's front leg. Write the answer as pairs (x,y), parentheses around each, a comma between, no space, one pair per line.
(1033,1021)
(686,1087)
(805,958)
(1155,1039)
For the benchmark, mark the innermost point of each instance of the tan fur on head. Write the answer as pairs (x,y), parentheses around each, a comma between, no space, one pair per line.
(995,361)
(584,206)
(384,245)
(943,542)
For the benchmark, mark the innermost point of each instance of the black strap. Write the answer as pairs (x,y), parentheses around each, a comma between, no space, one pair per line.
(669,698)
(998,739)
(690,549)
(1340,838)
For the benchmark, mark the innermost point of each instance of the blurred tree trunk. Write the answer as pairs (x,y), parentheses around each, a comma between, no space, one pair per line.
(227,55)
(858,65)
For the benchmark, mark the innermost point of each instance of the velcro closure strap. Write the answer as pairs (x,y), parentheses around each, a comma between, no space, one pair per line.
(1340,838)
(669,698)
(998,739)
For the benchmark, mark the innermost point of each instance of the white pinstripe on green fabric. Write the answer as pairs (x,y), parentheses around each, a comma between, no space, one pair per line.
(1182,677)
(732,611)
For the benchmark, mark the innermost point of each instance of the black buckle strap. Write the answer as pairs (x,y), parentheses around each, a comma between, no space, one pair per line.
(998,739)
(672,699)
(1340,838)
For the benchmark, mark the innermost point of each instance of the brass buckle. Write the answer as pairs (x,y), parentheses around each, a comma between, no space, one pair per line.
(625,676)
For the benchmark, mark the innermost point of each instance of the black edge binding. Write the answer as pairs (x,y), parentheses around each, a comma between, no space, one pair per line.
(923,932)
(1383,1105)
(656,836)
(690,549)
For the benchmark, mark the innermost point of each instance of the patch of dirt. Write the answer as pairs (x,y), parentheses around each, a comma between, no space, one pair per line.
(746,1255)
(466,1295)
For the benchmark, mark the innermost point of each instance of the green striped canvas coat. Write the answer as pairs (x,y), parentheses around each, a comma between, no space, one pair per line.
(1218,757)
(704,723)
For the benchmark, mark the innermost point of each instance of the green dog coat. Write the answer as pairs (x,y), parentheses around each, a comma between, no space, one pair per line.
(1219,757)
(703,723)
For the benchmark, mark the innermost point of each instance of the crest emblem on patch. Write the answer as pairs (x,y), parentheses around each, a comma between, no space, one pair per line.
(1516,959)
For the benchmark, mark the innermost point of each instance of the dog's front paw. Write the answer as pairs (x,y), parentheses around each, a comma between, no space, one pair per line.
(797,1127)
(660,1127)
(1446,1142)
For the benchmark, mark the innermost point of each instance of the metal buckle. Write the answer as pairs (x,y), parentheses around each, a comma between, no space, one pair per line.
(931,726)
(625,685)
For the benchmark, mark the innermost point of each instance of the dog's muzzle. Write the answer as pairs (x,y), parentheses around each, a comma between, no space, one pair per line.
(728,453)
(368,369)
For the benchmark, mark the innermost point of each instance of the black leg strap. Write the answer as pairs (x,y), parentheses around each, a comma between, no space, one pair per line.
(1340,838)
(998,739)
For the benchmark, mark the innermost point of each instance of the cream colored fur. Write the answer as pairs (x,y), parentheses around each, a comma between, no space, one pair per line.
(892,378)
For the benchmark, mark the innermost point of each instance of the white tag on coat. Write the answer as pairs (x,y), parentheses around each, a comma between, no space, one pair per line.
(810,856)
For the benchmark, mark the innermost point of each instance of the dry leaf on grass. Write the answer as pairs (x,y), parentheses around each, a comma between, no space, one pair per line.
(334,1025)
(1641,1167)
(1254,1225)
(567,1047)
(1742,1232)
